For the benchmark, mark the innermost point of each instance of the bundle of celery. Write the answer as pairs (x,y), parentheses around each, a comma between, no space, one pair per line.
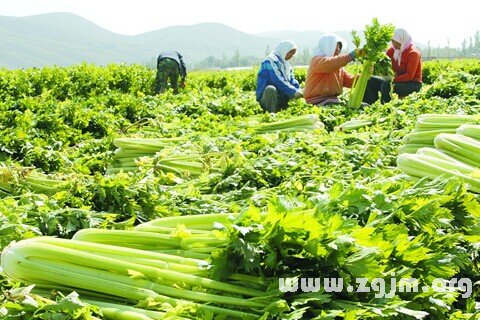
(442,155)
(454,154)
(129,150)
(377,37)
(300,123)
(15,179)
(186,236)
(203,242)
(204,222)
(469,130)
(190,165)
(435,165)
(131,274)
(353,124)
(460,147)
(158,154)
(182,236)
(428,126)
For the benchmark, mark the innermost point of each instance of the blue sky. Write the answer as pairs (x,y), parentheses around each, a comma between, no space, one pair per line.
(436,21)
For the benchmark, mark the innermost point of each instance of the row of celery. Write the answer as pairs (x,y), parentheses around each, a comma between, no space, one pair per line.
(163,261)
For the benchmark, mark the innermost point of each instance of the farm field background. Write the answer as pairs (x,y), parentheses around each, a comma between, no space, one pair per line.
(317,202)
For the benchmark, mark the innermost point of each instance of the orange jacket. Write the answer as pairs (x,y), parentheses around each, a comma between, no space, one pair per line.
(410,68)
(326,78)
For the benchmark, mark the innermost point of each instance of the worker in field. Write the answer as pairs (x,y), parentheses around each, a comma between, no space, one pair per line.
(407,68)
(170,67)
(407,65)
(326,76)
(276,83)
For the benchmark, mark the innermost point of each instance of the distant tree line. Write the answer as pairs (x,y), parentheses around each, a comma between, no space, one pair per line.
(234,61)
(470,49)
(237,61)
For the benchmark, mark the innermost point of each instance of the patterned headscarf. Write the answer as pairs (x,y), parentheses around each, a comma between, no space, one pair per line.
(405,40)
(280,51)
(284,47)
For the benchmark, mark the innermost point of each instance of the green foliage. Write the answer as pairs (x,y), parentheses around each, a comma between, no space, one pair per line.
(377,37)
(21,303)
(319,202)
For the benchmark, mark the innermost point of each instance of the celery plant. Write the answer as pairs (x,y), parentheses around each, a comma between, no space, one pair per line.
(377,37)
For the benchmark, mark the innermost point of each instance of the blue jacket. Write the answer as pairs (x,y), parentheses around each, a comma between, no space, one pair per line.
(277,72)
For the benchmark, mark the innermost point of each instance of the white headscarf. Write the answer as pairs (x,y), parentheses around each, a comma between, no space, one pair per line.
(405,40)
(327,45)
(283,47)
(280,51)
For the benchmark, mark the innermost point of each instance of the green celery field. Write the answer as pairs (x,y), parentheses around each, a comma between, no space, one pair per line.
(116,203)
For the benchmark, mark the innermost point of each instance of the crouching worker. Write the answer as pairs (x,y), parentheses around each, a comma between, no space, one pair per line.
(407,65)
(326,76)
(276,83)
(170,67)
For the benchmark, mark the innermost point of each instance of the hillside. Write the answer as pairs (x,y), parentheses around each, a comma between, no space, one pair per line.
(65,39)
(61,39)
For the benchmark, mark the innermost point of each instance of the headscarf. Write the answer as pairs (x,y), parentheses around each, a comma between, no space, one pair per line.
(279,53)
(283,47)
(327,45)
(405,40)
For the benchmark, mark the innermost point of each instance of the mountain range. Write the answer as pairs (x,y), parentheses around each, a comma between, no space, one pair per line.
(65,39)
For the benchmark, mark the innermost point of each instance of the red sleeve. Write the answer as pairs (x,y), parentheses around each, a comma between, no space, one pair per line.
(347,79)
(329,64)
(390,52)
(413,59)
